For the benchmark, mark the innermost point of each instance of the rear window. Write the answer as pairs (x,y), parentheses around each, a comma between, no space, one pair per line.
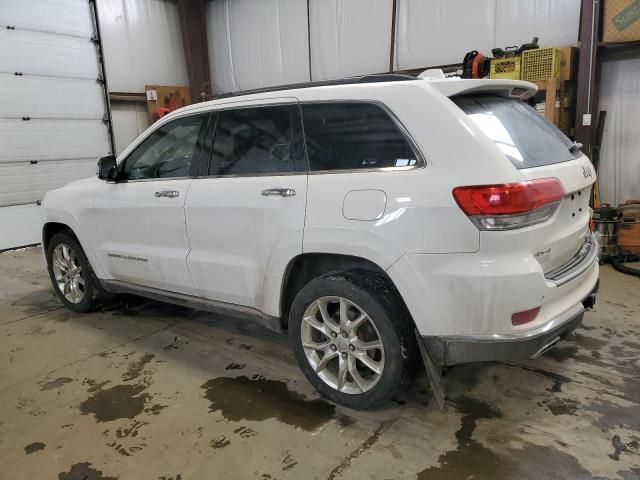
(524,136)
(353,136)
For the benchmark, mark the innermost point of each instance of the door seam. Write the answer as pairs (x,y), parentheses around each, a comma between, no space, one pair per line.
(186,232)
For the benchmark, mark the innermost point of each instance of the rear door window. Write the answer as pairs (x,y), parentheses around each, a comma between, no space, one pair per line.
(524,136)
(258,140)
(353,136)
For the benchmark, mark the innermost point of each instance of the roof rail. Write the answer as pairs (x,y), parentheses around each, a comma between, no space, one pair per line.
(382,77)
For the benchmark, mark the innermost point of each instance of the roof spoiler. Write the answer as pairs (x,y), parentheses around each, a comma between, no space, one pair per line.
(504,88)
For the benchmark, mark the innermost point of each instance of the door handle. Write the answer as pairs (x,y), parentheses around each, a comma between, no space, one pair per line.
(168,193)
(278,192)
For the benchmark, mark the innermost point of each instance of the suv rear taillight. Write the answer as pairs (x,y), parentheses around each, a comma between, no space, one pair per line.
(511,205)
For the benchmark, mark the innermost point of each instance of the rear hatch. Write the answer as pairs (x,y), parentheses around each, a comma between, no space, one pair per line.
(539,150)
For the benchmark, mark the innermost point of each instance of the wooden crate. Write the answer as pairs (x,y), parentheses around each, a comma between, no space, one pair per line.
(162,99)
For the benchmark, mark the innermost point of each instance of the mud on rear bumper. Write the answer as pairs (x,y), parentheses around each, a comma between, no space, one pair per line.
(454,350)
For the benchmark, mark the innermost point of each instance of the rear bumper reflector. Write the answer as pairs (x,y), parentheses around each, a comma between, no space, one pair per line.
(520,318)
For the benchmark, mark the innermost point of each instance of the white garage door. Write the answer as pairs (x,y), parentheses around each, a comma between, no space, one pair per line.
(52,108)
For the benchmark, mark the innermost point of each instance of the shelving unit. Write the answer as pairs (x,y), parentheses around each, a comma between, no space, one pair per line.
(591,52)
(550,87)
(559,103)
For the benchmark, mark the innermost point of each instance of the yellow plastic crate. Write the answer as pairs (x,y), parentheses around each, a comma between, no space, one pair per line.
(505,68)
(541,64)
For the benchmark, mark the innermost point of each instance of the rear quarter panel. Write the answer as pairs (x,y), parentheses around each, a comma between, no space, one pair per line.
(421,215)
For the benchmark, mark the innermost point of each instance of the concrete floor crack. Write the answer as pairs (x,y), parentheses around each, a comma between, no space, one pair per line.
(364,446)
(44,312)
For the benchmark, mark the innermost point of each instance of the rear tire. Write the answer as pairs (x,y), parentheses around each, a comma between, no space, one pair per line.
(360,362)
(71,274)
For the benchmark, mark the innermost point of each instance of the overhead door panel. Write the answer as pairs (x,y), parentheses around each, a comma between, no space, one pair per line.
(39,139)
(26,182)
(50,97)
(20,225)
(52,106)
(36,53)
(68,17)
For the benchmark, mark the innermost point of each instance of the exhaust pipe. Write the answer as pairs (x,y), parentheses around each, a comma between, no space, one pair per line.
(589,302)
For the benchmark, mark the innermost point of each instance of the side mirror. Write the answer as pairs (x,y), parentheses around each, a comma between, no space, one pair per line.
(107,168)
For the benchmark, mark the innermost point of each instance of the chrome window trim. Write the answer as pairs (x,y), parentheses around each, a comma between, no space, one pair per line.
(162,179)
(244,175)
(421,161)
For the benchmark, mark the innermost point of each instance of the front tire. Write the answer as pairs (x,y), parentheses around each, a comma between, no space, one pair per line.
(71,274)
(351,336)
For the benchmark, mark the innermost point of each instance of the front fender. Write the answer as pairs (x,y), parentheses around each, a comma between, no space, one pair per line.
(72,206)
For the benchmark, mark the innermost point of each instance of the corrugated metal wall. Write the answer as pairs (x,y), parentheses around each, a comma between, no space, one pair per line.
(620,156)
(256,43)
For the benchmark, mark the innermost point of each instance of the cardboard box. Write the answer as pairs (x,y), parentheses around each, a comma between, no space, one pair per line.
(621,21)
(163,99)
(568,62)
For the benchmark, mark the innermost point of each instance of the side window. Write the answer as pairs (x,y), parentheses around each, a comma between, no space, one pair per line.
(257,140)
(166,153)
(352,136)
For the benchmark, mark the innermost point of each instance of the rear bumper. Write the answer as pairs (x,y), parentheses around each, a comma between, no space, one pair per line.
(514,346)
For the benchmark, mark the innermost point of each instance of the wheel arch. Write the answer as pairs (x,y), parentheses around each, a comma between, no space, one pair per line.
(306,266)
(49,229)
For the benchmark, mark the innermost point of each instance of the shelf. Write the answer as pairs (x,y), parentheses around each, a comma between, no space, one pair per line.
(127,97)
(606,47)
(544,85)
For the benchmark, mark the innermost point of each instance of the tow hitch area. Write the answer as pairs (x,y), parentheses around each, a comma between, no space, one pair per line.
(590,299)
(434,372)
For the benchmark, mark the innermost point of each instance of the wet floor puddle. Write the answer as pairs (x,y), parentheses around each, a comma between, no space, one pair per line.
(83,471)
(57,383)
(244,398)
(34,447)
(471,459)
(119,401)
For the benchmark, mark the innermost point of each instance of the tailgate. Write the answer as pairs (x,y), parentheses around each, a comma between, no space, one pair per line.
(556,241)
(538,150)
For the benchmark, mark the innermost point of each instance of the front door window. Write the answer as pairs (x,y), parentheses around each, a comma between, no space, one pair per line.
(168,152)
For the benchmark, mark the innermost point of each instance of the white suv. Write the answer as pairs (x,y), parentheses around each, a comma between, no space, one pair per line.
(372,218)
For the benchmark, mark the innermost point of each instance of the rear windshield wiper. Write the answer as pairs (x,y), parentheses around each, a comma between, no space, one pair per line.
(575,147)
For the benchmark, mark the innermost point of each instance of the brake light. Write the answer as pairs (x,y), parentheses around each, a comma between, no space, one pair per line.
(520,318)
(510,205)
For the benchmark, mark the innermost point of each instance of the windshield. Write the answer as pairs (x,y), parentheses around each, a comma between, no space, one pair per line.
(524,136)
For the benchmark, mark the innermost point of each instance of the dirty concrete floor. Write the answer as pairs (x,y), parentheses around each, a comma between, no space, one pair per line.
(159,392)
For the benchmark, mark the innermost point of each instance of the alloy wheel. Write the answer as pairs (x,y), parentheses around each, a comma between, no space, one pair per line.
(342,345)
(68,273)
